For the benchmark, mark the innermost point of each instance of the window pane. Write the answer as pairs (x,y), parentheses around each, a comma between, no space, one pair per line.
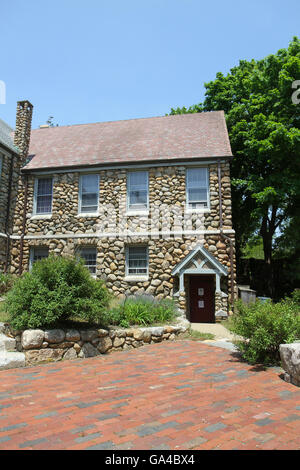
(44,186)
(90,258)
(138,189)
(89,193)
(43,204)
(89,183)
(196,176)
(137,260)
(44,196)
(197,195)
(39,253)
(197,187)
(89,202)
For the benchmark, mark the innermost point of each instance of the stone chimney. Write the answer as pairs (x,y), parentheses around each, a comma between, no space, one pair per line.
(23,129)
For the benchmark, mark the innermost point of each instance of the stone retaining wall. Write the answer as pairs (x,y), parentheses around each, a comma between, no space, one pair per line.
(57,344)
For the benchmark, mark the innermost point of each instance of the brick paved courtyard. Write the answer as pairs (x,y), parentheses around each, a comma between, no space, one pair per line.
(180,395)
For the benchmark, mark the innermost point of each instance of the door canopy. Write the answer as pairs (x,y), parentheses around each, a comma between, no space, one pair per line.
(200,261)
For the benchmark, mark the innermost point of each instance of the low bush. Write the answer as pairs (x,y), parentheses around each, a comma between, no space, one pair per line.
(6,282)
(55,290)
(142,310)
(264,326)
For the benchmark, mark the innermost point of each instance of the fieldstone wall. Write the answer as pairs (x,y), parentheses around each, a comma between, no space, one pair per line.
(64,231)
(57,344)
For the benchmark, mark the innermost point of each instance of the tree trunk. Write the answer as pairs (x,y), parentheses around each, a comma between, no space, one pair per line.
(267,231)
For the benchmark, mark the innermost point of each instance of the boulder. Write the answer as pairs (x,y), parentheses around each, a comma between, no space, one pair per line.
(290,359)
(88,350)
(36,356)
(104,344)
(32,339)
(54,336)
(72,335)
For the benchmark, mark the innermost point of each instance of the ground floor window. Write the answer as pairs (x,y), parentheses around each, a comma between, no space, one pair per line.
(89,255)
(137,260)
(38,253)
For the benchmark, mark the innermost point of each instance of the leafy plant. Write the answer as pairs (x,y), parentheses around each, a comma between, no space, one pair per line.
(142,310)
(264,326)
(6,282)
(56,289)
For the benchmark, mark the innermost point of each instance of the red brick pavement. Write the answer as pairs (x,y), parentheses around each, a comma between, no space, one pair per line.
(180,395)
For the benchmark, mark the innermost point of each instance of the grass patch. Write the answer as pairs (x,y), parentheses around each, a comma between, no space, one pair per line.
(195,335)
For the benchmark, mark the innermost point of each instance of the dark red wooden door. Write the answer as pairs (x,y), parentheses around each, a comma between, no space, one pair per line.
(202,304)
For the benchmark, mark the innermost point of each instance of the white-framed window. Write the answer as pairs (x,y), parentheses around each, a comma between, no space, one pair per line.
(37,253)
(89,255)
(88,193)
(197,188)
(137,190)
(137,261)
(43,194)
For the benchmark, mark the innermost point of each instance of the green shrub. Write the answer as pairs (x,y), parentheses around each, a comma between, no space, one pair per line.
(6,282)
(142,310)
(56,289)
(264,326)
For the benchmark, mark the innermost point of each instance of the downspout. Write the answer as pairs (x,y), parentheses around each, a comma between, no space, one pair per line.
(24,224)
(6,229)
(225,238)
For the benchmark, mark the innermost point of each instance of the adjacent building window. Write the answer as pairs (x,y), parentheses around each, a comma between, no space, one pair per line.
(197,188)
(88,193)
(43,196)
(38,253)
(137,190)
(1,163)
(89,255)
(137,260)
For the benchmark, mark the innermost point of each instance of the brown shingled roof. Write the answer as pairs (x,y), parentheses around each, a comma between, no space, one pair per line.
(186,136)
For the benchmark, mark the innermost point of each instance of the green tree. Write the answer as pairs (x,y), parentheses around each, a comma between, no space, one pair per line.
(264,129)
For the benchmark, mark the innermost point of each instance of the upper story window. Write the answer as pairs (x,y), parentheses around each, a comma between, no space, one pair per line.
(137,260)
(89,255)
(137,190)
(88,193)
(197,188)
(43,196)
(1,163)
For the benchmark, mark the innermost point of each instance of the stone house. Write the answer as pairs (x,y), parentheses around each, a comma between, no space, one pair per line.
(145,202)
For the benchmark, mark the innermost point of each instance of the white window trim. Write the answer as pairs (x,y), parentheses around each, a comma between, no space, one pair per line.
(133,277)
(199,209)
(88,214)
(41,214)
(133,210)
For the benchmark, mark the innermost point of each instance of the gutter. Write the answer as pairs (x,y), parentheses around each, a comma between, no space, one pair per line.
(24,224)
(225,237)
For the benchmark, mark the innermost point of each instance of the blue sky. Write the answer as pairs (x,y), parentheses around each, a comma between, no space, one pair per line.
(121,59)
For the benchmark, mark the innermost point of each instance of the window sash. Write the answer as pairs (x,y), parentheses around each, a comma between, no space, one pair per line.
(43,199)
(89,193)
(89,255)
(197,188)
(137,190)
(137,260)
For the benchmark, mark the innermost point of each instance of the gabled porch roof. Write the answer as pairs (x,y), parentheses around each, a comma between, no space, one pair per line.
(203,262)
